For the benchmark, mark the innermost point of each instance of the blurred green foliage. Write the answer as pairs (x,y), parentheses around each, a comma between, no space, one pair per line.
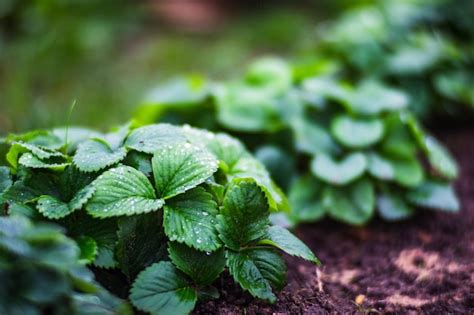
(340,149)
(337,126)
(41,273)
(425,47)
(105,54)
(56,51)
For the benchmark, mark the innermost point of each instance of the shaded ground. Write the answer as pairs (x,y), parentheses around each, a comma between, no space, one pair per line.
(423,265)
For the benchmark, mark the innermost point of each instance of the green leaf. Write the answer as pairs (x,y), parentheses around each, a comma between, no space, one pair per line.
(257,270)
(5,180)
(141,242)
(37,150)
(438,156)
(398,142)
(96,154)
(180,93)
(162,289)
(408,172)
(226,149)
(216,190)
(440,159)
(417,55)
(60,195)
(372,98)
(54,208)
(74,184)
(15,209)
(357,133)
(50,285)
(17,149)
(139,161)
(208,293)
(435,195)
(14,226)
(249,167)
(31,187)
(122,191)
(190,218)
(456,85)
(312,139)
(380,167)
(202,267)
(40,267)
(83,280)
(40,138)
(305,198)
(282,238)
(88,248)
(181,167)
(271,73)
(100,303)
(244,215)
(339,173)
(51,247)
(278,162)
(415,128)
(103,232)
(247,108)
(31,161)
(116,138)
(322,88)
(152,138)
(81,197)
(392,207)
(353,204)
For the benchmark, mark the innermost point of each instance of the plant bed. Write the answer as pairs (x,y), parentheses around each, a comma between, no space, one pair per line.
(157,211)
(348,151)
(423,264)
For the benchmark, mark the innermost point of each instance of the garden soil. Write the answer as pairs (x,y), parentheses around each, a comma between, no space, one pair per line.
(422,265)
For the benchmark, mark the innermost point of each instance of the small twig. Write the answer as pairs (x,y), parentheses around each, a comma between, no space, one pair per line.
(318,280)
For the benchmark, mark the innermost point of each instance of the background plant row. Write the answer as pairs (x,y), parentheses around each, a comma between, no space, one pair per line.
(339,149)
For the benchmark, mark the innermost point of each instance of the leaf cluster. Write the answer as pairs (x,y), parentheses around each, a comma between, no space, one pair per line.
(423,48)
(42,273)
(361,146)
(170,207)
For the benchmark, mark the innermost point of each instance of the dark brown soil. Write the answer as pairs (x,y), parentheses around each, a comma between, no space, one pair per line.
(424,265)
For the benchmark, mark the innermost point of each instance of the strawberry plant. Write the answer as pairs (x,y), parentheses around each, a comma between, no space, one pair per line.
(341,149)
(42,273)
(425,49)
(170,207)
